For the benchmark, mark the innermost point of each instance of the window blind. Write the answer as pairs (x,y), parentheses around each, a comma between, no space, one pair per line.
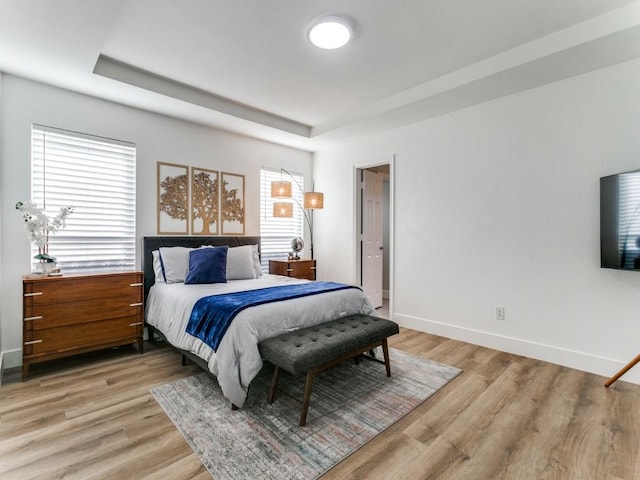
(276,233)
(629,220)
(97,176)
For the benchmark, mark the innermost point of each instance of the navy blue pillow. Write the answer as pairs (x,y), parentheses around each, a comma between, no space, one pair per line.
(207,265)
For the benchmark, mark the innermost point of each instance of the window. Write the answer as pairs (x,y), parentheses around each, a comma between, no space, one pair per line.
(629,220)
(97,176)
(277,233)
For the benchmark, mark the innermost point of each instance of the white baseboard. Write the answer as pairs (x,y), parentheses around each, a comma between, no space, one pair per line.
(11,359)
(586,362)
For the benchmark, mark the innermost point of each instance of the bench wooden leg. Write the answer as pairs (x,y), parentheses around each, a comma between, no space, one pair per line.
(307,397)
(385,350)
(274,384)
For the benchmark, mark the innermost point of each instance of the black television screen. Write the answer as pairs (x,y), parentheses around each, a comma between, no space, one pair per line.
(620,221)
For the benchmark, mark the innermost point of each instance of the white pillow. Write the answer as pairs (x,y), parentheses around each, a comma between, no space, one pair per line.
(157,267)
(175,263)
(240,265)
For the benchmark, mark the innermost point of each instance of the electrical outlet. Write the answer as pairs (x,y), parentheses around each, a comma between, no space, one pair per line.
(499,313)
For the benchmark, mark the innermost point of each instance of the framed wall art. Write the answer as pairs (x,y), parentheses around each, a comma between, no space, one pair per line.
(173,199)
(205,211)
(232,204)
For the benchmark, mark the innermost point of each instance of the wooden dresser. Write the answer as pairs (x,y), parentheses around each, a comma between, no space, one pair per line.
(294,268)
(73,314)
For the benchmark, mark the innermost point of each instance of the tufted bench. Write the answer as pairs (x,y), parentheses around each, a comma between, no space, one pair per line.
(313,349)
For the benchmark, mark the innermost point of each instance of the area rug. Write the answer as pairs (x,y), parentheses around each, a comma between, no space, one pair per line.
(350,404)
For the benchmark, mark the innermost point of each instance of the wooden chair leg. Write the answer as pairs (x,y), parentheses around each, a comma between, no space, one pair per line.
(307,397)
(385,350)
(274,384)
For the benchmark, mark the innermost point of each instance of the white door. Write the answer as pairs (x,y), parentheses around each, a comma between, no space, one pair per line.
(372,198)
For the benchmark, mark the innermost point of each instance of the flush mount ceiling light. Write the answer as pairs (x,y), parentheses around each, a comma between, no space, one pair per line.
(330,32)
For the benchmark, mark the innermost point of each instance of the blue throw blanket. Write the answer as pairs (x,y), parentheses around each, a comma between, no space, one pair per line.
(212,315)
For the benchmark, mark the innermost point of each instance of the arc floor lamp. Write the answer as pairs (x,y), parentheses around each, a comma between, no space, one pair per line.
(311,201)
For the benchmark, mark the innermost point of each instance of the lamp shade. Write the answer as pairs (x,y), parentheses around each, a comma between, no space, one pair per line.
(281,189)
(313,200)
(283,209)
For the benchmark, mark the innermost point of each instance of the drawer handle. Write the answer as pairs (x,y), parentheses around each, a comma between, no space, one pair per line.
(136,304)
(34,294)
(39,317)
(312,268)
(135,324)
(33,342)
(289,269)
(136,284)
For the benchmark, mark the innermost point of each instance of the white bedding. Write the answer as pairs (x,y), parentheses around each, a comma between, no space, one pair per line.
(237,360)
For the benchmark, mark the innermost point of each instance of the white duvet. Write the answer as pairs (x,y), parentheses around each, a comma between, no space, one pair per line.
(237,360)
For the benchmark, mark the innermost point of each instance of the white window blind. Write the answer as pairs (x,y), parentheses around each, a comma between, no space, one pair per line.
(276,233)
(629,219)
(97,176)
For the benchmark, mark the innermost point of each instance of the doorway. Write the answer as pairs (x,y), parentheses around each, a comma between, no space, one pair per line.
(374,232)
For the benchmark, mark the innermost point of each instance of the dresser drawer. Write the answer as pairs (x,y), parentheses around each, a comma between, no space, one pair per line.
(74,289)
(83,335)
(61,314)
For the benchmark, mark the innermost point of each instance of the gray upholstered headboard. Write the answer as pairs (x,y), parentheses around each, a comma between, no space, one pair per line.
(150,244)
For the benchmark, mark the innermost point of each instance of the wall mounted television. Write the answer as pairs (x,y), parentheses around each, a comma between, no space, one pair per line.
(620,221)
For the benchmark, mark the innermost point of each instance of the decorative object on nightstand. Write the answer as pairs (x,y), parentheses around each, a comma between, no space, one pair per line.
(40,226)
(73,314)
(312,201)
(297,244)
(294,268)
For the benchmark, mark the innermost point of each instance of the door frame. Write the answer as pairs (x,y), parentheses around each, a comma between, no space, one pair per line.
(357,167)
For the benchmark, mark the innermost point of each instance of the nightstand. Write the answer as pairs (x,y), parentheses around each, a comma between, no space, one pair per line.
(73,314)
(294,268)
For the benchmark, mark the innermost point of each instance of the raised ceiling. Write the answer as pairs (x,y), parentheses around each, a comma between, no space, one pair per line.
(246,66)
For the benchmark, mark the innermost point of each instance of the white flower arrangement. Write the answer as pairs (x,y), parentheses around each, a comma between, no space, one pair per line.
(40,226)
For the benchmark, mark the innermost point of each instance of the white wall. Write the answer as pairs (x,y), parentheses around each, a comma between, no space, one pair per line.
(498,205)
(1,151)
(158,138)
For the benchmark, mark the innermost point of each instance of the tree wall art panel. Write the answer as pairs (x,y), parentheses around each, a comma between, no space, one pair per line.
(205,211)
(173,199)
(232,204)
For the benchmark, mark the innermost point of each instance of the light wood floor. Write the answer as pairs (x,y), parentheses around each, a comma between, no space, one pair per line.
(505,417)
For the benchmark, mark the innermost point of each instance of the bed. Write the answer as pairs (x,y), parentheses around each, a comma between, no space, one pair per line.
(236,361)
